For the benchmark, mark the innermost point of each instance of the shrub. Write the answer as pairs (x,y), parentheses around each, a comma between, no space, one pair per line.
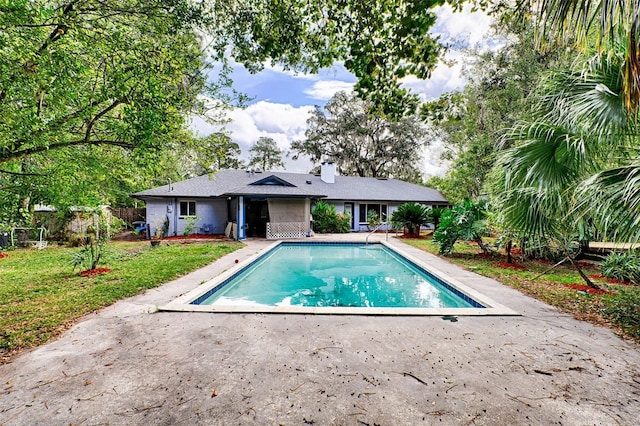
(465,221)
(435,214)
(189,226)
(327,220)
(622,266)
(373,219)
(93,244)
(343,223)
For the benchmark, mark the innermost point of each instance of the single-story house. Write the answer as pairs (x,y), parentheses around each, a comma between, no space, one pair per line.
(245,204)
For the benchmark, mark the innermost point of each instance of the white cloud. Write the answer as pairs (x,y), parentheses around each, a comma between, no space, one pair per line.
(445,78)
(281,122)
(324,89)
(469,28)
(460,30)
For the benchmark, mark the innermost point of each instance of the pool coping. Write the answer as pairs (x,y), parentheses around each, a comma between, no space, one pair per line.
(183,303)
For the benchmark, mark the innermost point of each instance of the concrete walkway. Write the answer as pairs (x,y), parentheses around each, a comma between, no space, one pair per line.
(129,364)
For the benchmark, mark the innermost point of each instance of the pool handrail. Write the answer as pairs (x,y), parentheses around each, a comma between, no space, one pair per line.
(366,240)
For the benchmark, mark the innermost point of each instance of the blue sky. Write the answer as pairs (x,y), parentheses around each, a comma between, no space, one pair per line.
(282,100)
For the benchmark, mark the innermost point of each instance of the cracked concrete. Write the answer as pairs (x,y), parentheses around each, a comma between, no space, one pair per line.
(128,364)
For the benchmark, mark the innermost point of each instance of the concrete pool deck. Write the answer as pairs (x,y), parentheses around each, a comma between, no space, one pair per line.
(129,364)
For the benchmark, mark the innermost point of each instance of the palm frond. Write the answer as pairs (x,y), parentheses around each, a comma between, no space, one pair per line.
(590,100)
(612,197)
(546,155)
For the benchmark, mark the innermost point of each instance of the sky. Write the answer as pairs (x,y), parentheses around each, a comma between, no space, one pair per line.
(281,100)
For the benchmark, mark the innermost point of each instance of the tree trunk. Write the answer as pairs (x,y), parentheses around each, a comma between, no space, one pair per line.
(581,272)
(482,245)
(507,248)
(584,247)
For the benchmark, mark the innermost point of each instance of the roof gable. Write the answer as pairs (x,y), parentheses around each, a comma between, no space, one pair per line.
(272,180)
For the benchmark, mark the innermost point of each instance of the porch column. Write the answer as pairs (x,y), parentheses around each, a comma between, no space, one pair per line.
(241,219)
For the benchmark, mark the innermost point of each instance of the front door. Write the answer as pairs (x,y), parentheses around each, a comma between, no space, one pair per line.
(348,208)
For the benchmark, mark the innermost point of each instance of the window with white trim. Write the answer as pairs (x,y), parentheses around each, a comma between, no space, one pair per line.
(381,209)
(187,208)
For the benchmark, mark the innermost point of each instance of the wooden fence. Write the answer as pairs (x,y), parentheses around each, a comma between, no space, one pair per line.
(130,214)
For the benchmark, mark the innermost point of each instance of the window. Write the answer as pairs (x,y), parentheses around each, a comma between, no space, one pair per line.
(381,209)
(187,208)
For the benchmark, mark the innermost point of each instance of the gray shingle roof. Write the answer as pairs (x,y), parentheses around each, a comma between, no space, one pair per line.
(238,182)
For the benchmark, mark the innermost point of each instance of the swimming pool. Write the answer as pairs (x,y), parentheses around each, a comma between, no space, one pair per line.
(335,278)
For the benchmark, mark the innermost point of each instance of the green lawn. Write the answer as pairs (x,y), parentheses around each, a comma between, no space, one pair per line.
(40,294)
(619,308)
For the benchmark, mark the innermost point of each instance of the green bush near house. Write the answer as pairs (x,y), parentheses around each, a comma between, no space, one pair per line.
(326,220)
(410,216)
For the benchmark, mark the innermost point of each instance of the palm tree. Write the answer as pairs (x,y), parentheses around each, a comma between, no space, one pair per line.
(411,216)
(594,23)
(575,164)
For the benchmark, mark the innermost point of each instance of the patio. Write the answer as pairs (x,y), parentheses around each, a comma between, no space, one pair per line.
(129,364)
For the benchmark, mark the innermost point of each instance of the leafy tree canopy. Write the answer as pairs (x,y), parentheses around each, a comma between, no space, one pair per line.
(471,122)
(98,91)
(209,154)
(78,74)
(125,73)
(361,143)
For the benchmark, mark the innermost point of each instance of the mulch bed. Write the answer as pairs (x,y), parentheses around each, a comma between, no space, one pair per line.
(483,256)
(609,280)
(508,265)
(413,237)
(97,271)
(587,289)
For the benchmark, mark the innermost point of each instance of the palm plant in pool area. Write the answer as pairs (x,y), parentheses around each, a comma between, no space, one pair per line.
(465,221)
(411,216)
(574,165)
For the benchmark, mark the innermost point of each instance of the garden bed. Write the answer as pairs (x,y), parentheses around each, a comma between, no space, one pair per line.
(616,304)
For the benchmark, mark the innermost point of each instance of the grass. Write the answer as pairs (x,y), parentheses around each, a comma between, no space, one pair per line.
(618,309)
(40,294)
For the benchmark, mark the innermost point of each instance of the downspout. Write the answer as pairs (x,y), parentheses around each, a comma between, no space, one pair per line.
(241,219)
(175,216)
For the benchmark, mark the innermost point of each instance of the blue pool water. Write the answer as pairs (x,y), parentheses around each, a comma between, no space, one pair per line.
(318,275)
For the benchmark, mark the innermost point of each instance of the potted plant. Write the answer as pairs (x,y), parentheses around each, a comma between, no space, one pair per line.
(162,229)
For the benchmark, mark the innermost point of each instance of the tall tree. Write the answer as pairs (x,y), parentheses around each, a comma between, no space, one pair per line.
(362,143)
(95,73)
(266,154)
(496,96)
(81,73)
(569,161)
(211,153)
